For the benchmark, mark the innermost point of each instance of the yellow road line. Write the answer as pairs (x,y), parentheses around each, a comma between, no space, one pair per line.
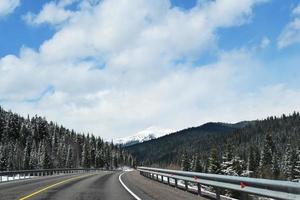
(51,186)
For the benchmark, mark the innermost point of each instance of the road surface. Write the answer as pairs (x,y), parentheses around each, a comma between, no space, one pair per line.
(93,186)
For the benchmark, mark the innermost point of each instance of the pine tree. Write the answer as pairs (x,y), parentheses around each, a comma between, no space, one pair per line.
(3,158)
(275,166)
(290,163)
(257,158)
(69,160)
(196,164)
(297,166)
(292,166)
(267,157)
(115,162)
(46,160)
(93,151)
(185,163)
(213,165)
(227,161)
(33,162)
(26,157)
(2,124)
(252,165)
(99,162)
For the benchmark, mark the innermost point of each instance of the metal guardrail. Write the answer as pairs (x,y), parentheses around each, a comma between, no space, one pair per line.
(244,185)
(6,176)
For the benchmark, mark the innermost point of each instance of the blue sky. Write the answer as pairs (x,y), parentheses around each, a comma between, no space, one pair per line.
(15,33)
(268,21)
(106,57)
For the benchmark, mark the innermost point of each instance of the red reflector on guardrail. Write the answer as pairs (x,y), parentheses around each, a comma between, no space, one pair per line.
(243,185)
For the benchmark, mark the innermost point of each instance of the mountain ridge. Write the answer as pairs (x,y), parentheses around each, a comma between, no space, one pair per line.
(208,125)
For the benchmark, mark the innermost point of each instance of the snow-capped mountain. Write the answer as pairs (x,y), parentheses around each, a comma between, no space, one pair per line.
(142,136)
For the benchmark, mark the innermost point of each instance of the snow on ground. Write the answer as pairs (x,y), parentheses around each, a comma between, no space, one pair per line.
(126,169)
(17,177)
(194,188)
(204,189)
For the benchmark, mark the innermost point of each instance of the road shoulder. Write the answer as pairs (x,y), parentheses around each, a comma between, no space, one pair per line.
(148,189)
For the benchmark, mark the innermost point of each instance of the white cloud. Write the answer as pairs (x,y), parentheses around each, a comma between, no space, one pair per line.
(296,10)
(291,33)
(52,13)
(265,42)
(8,6)
(113,66)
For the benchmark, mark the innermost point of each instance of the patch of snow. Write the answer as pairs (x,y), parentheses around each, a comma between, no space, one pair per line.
(194,188)
(150,133)
(10,178)
(126,169)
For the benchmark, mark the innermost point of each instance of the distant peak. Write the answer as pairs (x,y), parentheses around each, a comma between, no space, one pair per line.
(147,134)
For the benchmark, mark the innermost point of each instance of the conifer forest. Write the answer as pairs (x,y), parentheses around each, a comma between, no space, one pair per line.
(267,148)
(35,143)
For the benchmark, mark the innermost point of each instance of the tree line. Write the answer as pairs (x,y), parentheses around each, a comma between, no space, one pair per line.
(264,149)
(35,143)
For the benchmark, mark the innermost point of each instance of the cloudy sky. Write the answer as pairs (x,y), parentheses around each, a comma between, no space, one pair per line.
(116,67)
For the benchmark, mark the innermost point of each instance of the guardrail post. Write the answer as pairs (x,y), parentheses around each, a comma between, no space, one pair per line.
(168,180)
(0,178)
(175,182)
(244,196)
(199,189)
(186,185)
(218,196)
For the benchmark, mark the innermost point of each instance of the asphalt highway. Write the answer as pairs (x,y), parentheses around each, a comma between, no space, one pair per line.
(93,186)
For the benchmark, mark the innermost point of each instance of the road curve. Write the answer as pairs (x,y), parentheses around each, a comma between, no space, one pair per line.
(95,186)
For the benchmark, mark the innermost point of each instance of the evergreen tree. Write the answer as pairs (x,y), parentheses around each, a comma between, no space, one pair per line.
(267,158)
(3,158)
(69,160)
(252,165)
(46,161)
(185,162)
(275,166)
(115,162)
(196,164)
(290,163)
(227,163)
(297,166)
(33,162)
(36,144)
(214,165)
(26,157)
(2,123)
(85,162)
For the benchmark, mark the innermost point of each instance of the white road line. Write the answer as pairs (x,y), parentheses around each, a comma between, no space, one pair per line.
(128,190)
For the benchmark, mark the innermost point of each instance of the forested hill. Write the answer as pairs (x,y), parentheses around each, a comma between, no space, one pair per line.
(267,148)
(37,144)
(167,150)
